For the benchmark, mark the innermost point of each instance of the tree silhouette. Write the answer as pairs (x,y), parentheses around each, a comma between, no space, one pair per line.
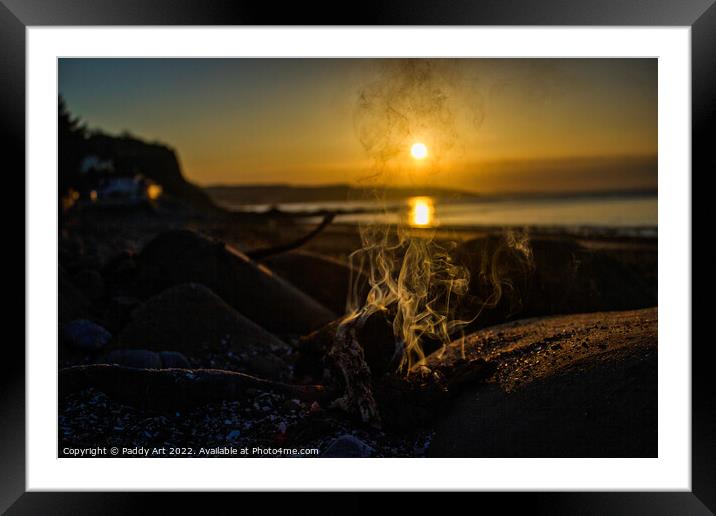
(71,146)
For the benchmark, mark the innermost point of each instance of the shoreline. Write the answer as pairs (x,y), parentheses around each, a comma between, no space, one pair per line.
(109,279)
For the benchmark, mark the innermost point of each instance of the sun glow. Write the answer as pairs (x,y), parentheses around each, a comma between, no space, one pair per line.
(419,150)
(422,212)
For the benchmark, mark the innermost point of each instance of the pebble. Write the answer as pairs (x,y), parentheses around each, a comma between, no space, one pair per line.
(347,446)
(85,335)
(173,360)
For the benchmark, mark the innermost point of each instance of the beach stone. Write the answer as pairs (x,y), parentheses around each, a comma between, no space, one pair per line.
(183,256)
(83,334)
(173,360)
(191,319)
(347,446)
(90,282)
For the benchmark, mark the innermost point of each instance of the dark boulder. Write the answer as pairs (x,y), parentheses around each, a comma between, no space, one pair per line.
(582,385)
(606,411)
(324,278)
(511,278)
(183,256)
(191,319)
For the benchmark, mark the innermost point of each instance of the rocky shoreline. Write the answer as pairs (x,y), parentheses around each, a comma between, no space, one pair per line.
(171,336)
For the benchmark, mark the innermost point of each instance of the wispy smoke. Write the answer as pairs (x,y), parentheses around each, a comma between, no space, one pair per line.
(410,278)
(406,276)
(414,99)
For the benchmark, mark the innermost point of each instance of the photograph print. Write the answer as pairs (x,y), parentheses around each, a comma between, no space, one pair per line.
(357,257)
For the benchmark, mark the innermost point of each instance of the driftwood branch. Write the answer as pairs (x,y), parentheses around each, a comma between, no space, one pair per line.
(260,254)
(176,388)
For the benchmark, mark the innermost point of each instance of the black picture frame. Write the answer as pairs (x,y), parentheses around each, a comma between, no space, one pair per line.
(700,15)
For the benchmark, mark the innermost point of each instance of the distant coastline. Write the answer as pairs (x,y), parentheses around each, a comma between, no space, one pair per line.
(275,194)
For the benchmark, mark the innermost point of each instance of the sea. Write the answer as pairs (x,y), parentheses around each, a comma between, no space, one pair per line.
(639,212)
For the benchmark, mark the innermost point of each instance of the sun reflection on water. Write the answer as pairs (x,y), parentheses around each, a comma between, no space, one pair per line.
(422,212)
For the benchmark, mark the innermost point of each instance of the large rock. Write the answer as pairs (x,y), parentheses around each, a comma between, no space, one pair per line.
(510,278)
(183,256)
(191,319)
(322,277)
(568,386)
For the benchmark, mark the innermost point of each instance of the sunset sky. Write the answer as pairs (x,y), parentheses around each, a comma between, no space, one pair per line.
(490,125)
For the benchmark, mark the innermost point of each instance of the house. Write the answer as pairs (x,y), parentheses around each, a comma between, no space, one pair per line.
(125,191)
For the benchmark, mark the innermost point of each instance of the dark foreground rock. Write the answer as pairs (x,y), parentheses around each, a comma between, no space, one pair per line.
(568,386)
(192,319)
(324,278)
(514,277)
(184,256)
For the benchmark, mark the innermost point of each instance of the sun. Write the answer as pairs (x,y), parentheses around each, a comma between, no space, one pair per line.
(419,150)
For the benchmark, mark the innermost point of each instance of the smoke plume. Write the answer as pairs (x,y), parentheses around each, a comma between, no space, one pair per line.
(410,277)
